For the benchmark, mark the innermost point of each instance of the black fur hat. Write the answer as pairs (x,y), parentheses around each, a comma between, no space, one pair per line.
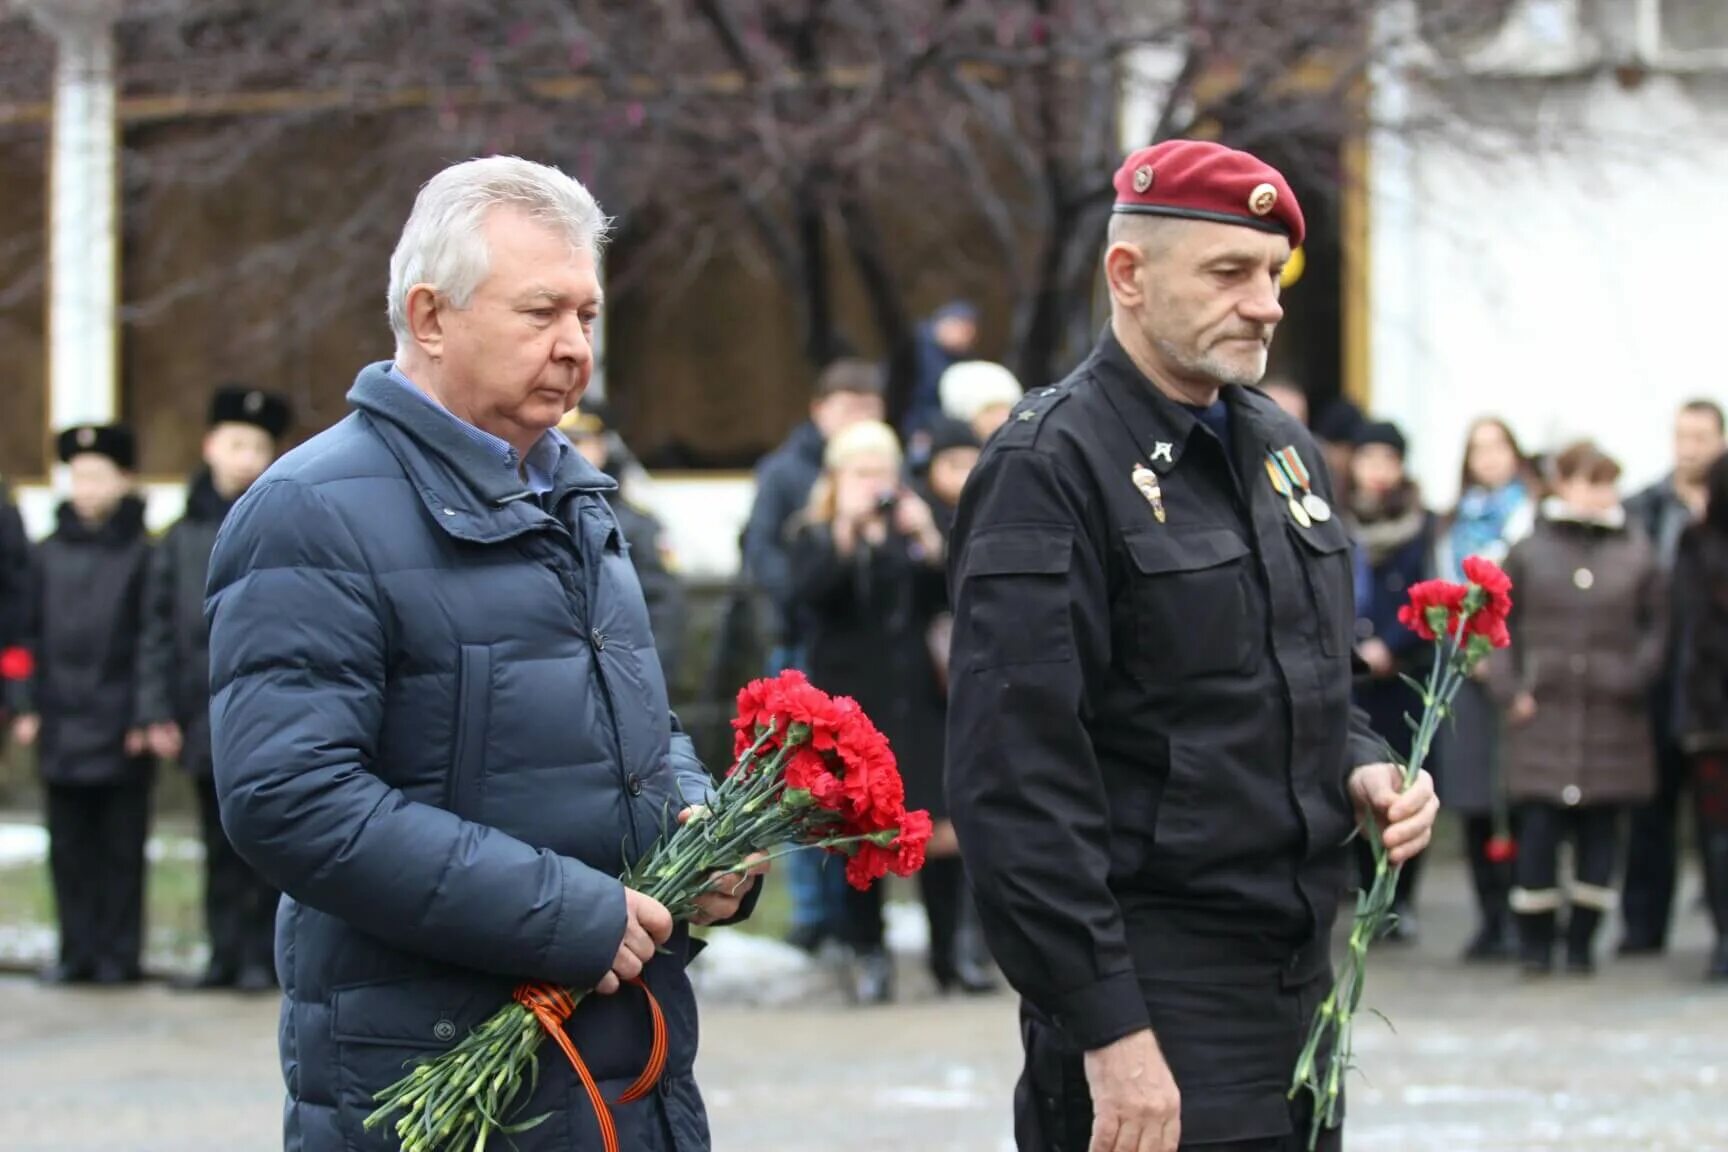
(114,441)
(238,404)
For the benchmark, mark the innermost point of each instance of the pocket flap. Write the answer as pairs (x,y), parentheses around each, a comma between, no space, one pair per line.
(429,1012)
(1324,539)
(1155,553)
(1034,550)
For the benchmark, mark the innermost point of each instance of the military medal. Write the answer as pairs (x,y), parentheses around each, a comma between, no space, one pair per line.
(1147,481)
(1291,480)
(1282,484)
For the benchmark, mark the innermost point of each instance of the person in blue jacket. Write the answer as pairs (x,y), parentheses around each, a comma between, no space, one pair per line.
(437,718)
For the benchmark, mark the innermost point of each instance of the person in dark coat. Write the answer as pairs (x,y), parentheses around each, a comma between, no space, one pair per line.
(867,583)
(944,339)
(848,391)
(77,706)
(1499,492)
(174,679)
(954,449)
(1335,426)
(1588,606)
(589,428)
(1394,535)
(15,661)
(1153,763)
(1664,511)
(1701,601)
(436,713)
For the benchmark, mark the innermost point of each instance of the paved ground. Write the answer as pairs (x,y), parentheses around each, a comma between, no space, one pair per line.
(1636,1060)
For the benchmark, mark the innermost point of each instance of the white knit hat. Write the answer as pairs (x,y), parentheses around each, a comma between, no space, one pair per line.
(865,438)
(969,387)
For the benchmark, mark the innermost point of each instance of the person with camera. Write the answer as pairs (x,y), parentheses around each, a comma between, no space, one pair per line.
(867,580)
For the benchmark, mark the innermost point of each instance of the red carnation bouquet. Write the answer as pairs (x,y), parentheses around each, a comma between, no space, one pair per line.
(811,770)
(1464,622)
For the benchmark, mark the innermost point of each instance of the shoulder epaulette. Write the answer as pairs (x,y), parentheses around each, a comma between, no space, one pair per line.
(1028,415)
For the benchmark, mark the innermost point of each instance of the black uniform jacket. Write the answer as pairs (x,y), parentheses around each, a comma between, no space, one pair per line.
(1150,728)
(82,624)
(174,649)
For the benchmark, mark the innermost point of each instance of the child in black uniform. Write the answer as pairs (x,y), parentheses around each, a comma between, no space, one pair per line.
(81,623)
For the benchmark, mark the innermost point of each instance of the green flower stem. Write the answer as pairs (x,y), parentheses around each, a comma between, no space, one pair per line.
(454,1102)
(1333,1020)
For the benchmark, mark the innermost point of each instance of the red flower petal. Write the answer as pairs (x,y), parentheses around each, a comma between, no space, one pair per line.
(16,664)
(1500,850)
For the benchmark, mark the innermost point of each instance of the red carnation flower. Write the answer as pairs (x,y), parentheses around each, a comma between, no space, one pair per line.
(808,772)
(898,848)
(1490,619)
(1419,614)
(915,830)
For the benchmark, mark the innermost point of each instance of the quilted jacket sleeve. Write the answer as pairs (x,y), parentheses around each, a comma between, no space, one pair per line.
(298,664)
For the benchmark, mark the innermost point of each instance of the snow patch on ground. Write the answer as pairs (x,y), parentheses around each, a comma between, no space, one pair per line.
(740,968)
(908,931)
(22,844)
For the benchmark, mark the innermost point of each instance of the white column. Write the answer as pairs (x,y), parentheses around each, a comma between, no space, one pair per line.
(1394,274)
(83,248)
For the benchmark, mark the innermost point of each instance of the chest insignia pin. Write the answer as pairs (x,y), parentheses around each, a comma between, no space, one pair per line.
(1147,481)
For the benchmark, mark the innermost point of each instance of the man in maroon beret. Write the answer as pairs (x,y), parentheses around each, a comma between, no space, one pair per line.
(1153,765)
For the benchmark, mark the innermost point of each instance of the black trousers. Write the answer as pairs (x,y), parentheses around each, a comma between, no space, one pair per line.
(239,906)
(941,886)
(1053,1104)
(96,837)
(1595,835)
(1653,853)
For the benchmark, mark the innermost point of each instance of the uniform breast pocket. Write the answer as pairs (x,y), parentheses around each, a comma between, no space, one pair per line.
(1190,599)
(1324,552)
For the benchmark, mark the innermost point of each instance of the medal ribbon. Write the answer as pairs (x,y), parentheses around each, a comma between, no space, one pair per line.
(1289,479)
(1280,484)
(1290,461)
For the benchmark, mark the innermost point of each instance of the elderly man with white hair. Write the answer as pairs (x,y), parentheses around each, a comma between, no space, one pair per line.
(438,722)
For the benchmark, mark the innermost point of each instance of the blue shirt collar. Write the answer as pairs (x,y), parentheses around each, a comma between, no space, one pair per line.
(542,461)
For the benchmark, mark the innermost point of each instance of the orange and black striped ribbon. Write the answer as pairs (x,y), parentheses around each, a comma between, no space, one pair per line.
(552,1007)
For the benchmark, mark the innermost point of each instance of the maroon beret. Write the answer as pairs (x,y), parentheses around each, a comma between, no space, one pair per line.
(1200,180)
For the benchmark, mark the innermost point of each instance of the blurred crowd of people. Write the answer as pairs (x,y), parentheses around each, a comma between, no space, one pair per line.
(104,672)
(1577,744)
(1607,708)
(1611,706)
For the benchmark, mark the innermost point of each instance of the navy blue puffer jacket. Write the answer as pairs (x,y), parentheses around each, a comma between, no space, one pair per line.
(440,728)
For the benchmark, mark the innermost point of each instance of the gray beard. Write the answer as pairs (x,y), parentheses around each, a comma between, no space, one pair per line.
(1208,368)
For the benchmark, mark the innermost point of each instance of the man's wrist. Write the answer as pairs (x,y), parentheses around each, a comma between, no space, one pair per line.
(1102,1013)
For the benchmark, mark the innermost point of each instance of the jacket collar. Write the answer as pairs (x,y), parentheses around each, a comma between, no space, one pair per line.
(123,526)
(1163,429)
(203,502)
(470,492)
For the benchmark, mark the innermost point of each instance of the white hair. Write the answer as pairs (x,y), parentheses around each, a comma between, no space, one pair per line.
(442,243)
(969,387)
